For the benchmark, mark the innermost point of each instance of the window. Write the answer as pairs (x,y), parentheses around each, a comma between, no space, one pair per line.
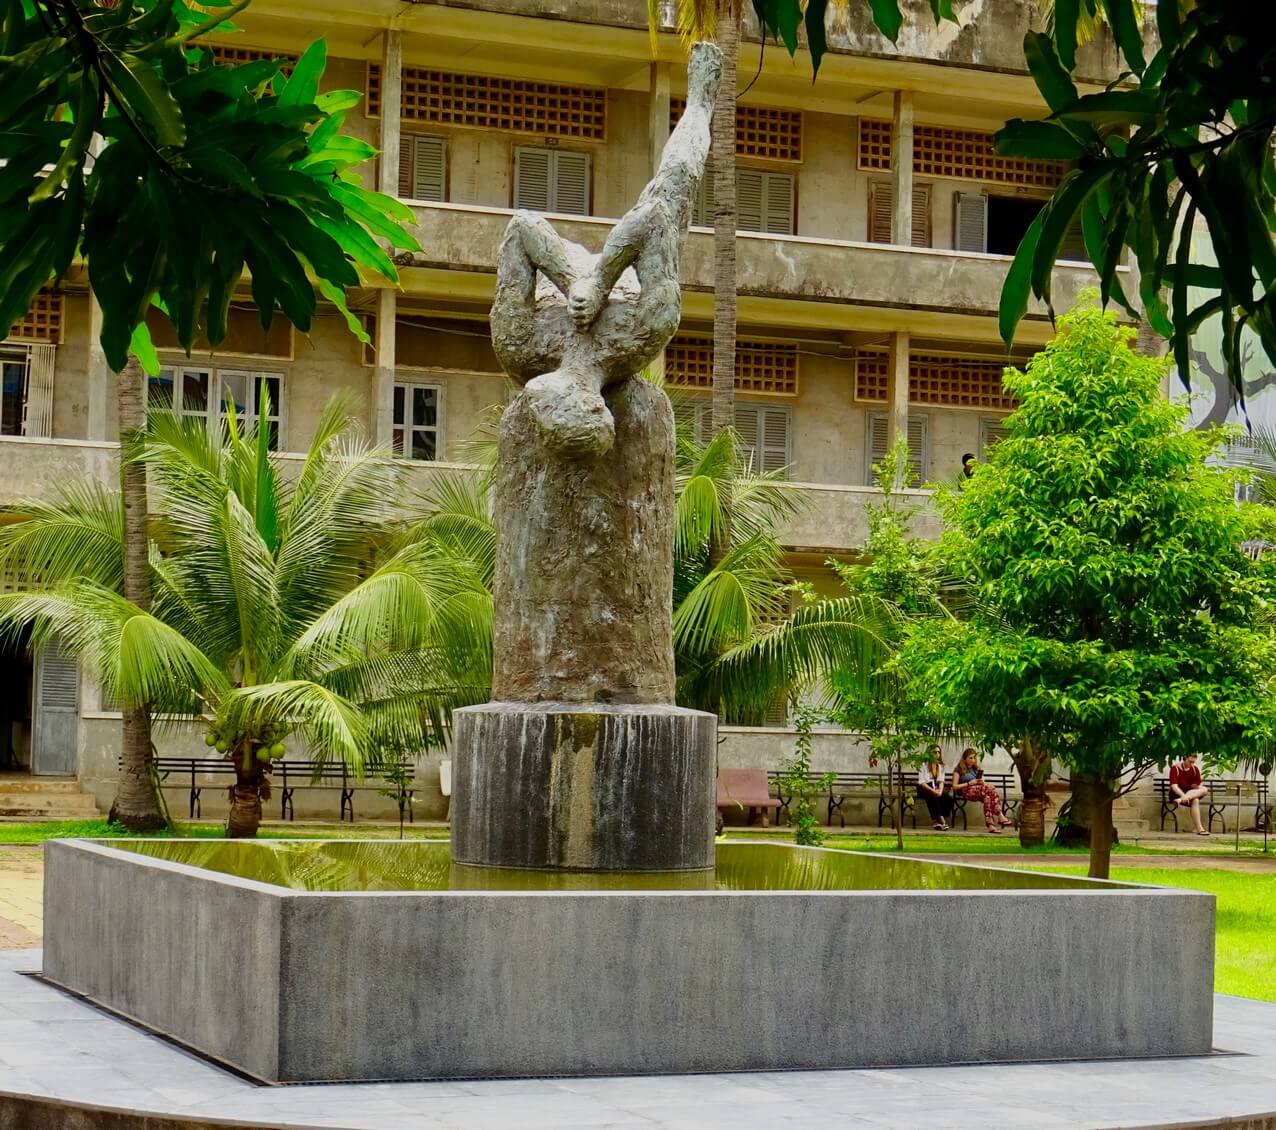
(422,167)
(198,394)
(918,444)
(416,421)
(991,433)
(879,213)
(956,154)
(764,430)
(764,202)
(551,180)
(996,224)
(13,391)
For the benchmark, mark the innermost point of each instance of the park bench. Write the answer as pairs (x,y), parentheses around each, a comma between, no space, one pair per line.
(844,786)
(287,777)
(746,789)
(1241,795)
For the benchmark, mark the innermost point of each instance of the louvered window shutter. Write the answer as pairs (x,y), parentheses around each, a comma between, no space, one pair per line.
(429,168)
(921,215)
(879,211)
(748,426)
(405,166)
(570,183)
(1073,246)
(773,432)
(749,200)
(778,204)
(991,433)
(918,455)
(970,227)
(702,206)
(531,179)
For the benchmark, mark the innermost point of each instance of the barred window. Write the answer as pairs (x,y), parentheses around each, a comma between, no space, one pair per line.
(760,366)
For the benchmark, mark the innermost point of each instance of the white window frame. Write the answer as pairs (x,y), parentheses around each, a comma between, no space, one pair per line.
(401,447)
(212,411)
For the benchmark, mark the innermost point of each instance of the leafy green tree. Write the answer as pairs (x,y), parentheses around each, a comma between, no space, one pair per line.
(280,604)
(1116,619)
(898,577)
(128,152)
(738,648)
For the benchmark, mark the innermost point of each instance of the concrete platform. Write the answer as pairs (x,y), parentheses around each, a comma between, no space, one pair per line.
(65,1064)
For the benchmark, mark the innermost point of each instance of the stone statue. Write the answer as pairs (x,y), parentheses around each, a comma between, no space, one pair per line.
(582,760)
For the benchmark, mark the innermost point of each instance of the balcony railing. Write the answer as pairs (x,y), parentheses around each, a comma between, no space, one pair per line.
(833,519)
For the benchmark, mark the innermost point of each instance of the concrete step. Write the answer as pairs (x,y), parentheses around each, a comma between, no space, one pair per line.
(58,806)
(46,785)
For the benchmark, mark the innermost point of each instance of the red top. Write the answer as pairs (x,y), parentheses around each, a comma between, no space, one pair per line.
(1187,777)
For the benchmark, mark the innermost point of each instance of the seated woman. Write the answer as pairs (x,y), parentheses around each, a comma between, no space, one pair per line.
(932,788)
(968,781)
(1187,789)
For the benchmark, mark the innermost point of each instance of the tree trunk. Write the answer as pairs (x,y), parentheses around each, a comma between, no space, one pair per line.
(724,219)
(1101,832)
(137,803)
(246,795)
(1033,765)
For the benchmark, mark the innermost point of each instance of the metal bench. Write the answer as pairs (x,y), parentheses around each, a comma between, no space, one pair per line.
(289,776)
(1223,794)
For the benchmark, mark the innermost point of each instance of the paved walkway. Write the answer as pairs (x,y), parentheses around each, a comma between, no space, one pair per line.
(56,1047)
(21,894)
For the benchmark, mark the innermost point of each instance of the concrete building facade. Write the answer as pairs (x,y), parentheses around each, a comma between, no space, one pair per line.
(877,224)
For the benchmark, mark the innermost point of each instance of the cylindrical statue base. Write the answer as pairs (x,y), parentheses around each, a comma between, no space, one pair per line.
(592,787)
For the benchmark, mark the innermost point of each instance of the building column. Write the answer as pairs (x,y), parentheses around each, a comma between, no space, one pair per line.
(388,182)
(897,395)
(383,372)
(100,376)
(902,170)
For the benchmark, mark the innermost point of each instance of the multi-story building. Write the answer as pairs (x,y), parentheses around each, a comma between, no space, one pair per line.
(876,227)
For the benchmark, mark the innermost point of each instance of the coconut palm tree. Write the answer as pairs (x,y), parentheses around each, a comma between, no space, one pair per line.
(738,648)
(280,604)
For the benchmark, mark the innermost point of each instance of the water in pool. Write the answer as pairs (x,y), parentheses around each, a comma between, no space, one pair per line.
(416,865)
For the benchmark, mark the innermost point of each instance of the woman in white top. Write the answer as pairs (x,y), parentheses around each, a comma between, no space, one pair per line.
(932,788)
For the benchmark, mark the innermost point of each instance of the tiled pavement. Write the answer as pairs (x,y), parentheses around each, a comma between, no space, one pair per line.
(52,1045)
(21,884)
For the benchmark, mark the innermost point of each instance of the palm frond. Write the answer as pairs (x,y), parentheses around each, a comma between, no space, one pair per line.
(78,533)
(331,725)
(728,603)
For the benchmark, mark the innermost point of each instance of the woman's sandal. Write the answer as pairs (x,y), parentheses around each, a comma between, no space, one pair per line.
(1202,832)
(993,831)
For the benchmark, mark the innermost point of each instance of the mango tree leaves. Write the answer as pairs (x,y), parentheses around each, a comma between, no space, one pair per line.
(203,171)
(1188,136)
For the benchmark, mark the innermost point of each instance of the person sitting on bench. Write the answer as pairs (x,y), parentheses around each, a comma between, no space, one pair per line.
(1187,790)
(932,788)
(968,781)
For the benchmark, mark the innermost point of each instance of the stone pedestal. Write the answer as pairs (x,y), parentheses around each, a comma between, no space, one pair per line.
(589,787)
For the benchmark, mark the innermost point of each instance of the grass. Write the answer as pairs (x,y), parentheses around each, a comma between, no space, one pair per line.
(1245,926)
(100,829)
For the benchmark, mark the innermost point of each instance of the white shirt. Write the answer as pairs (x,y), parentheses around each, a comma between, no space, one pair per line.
(924,777)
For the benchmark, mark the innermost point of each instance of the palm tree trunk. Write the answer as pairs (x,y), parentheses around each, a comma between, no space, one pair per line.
(136,803)
(1033,765)
(724,219)
(245,795)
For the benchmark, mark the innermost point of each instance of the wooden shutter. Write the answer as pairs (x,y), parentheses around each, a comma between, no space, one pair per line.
(778,204)
(879,211)
(750,208)
(531,179)
(921,216)
(569,183)
(970,223)
(991,433)
(918,454)
(422,168)
(880,208)
(702,205)
(764,433)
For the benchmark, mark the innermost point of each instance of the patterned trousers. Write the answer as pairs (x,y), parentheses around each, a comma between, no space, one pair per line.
(989,797)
